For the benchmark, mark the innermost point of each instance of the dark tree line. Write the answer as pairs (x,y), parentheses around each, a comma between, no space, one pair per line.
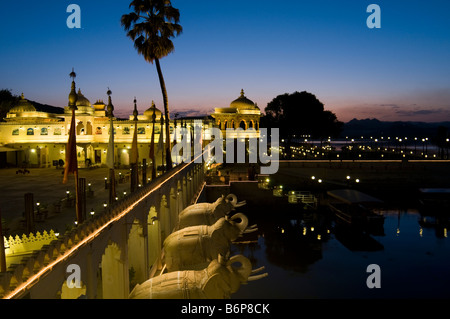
(301,114)
(7,101)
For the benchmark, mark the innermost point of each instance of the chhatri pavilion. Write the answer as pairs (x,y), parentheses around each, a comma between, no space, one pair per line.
(242,113)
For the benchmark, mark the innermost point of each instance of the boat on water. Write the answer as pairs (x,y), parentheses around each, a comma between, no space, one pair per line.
(355,208)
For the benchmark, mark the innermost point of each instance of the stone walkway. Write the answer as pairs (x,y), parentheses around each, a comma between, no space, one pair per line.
(48,189)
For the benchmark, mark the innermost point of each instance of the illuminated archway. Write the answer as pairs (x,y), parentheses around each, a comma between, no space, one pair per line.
(164,218)
(74,292)
(137,254)
(114,274)
(80,129)
(154,236)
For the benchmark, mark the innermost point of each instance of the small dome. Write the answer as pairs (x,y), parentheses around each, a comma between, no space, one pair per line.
(23,106)
(82,100)
(149,112)
(242,103)
(99,105)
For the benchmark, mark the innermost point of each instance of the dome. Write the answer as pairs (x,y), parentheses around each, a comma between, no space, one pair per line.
(82,100)
(149,112)
(23,106)
(242,103)
(99,105)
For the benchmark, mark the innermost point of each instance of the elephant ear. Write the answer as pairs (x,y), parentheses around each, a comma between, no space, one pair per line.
(216,287)
(220,200)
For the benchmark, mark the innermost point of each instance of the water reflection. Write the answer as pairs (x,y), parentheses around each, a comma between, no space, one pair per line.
(439,222)
(311,255)
(294,244)
(356,239)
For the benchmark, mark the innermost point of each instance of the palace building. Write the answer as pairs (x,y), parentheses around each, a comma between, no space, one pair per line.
(30,138)
(242,113)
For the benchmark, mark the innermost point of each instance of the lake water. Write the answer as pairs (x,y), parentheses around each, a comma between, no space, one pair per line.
(310,255)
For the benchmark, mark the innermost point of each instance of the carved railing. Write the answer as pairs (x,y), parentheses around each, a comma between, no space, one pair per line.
(25,244)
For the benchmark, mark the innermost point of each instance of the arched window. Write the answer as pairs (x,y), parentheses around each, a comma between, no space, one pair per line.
(30,131)
(80,129)
(250,124)
(88,128)
(242,125)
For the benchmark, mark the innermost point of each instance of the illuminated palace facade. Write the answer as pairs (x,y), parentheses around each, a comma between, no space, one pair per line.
(31,138)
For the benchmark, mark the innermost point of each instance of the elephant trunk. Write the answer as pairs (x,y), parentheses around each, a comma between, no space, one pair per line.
(244,270)
(244,221)
(232,199)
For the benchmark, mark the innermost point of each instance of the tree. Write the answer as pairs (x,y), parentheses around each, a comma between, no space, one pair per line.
(299,114)
(151,26)
(441,139)
(7,101)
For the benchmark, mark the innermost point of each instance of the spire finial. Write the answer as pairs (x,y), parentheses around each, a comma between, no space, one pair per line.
(154,111)
(73,75)
(242,93)
(110,107)
(73,97)
(135,111)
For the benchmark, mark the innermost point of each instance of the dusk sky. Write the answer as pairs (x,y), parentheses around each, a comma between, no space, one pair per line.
(267,48)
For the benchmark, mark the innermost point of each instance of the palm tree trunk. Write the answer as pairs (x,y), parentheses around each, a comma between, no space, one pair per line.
(166,112)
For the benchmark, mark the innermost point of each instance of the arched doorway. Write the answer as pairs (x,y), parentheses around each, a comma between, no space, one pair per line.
(72,292)
(88,128)
(173,208)
(137,259)
(124,157)
(114,274)
(80,128)
(154,236)
(164,218)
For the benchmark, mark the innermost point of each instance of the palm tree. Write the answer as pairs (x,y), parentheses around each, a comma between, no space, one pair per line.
(151,26)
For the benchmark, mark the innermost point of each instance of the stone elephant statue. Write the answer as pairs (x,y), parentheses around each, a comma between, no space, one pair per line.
(219,280)
(208,213)
(193,248)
